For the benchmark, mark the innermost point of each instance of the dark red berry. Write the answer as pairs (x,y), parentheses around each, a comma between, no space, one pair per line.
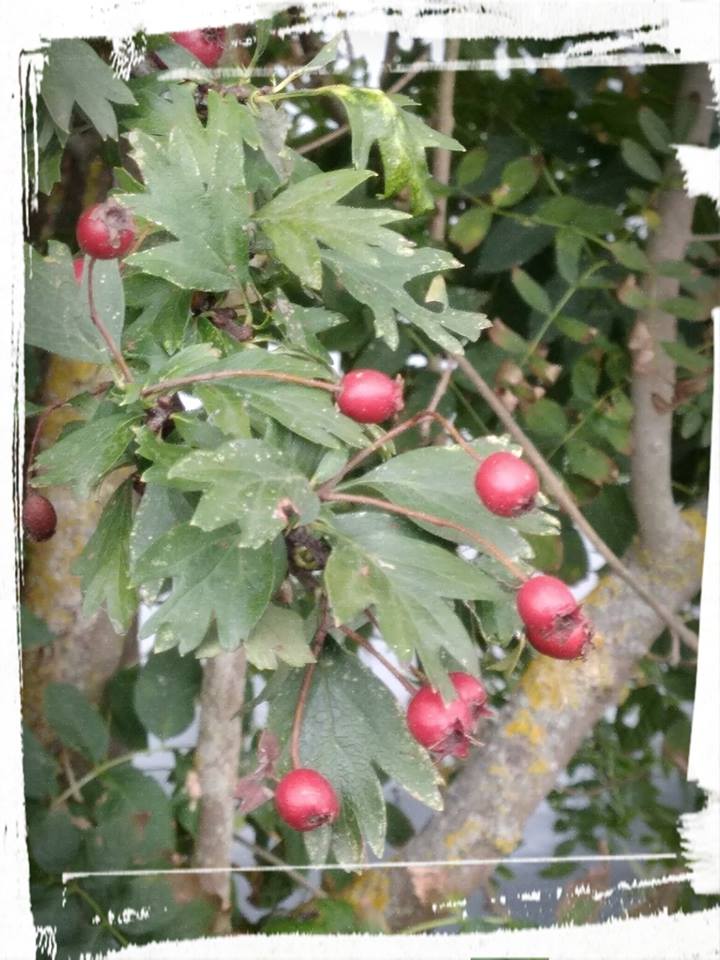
(441,727)
(567,641)
(506,484)
(542,601)
(207,46)
(370,396)
(472,693)
(306,800)
(105,230)
(78,267)
(39,517)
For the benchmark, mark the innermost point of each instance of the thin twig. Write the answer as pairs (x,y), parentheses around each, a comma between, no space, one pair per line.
(333,135)
(484,544)
(439,392)
(269,857)
(445,123)
(98,771)
(100,913)
(320,635)
(389,435)
(557,490)
(179,382)
(366,645)
(103,330)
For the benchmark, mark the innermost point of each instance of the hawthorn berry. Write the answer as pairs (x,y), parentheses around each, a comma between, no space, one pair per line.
(306,800)
(441,727)
(38,517)
(370,396)
(472,693)
(506,484)
(105,231)
(556,624)
(207,46)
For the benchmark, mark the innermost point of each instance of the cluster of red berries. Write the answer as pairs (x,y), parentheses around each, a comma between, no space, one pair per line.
(207,46)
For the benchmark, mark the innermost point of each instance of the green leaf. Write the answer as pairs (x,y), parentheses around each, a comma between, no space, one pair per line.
(509,243)
(351,726)
(589,462)
(57,317)
(54,840)
(631,256)
(471,166)
(159,511)
(612,516)
(165,693)
(249,482)
(307,213)
(686,358)
(518,178)
(213,580)
(574,213)
(547,420)
(75,75)
(382,289)
(104,563)
(685,308)
(377,560)
(119,702)
(33,631)
(402,138)
(279,636)
(640,160)
(655,130)
(470,229)
(76,722)
(530,291)
(84,456)
(39,768)
(195,190)
(568,248)
(164,312)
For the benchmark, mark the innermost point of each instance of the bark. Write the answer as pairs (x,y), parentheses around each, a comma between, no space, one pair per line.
(653,370)
(218,753)
(532,740)
(445,123)
(85,652)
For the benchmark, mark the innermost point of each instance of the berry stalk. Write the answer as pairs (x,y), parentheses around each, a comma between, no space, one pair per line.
(366,645)
(179,382)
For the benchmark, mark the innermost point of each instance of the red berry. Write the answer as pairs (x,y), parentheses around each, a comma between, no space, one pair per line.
(441,727)
(472,693)
(544,601)
(105,230)
(506,484)
(370,396)
(207,46)
(39,517)
(78,267)
(306,800)
(567,641)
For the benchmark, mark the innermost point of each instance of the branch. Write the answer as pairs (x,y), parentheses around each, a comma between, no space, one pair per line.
(554,708)
(217,755)
(653,377)
(445,124)
(320,635)
(167,386)
(555,487)
(103,330)
(470,535)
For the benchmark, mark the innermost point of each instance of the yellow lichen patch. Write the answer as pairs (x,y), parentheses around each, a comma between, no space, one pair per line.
(547,683)
(369,895)
(465,836)
(499,771)
(506,845)
(524,726)
(538,767)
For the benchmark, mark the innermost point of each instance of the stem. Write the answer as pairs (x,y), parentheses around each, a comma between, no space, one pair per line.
(556,488)
(389,435)
(366,645)
(484,544)
(441,389)
(320,635)
(445,124)
(96,772)
(269,857)
(121,938)
(179,382)
(526,218)
(103,330)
